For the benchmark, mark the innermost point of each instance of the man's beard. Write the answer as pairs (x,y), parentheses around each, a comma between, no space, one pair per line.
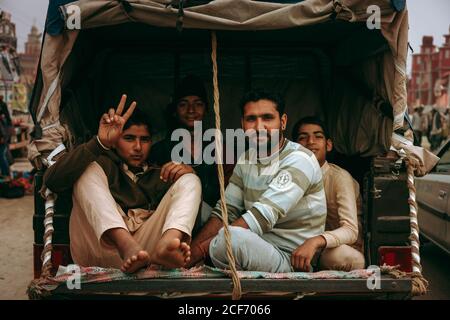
(265,142)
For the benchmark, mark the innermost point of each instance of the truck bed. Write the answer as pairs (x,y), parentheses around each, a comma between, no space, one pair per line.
(390,288)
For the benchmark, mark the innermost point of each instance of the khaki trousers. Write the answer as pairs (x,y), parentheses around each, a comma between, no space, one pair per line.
(95,211)
(342,258)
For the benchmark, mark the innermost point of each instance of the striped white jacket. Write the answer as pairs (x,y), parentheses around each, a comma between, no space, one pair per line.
(281,197)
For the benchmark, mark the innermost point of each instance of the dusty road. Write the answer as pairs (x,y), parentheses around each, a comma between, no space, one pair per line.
(16,247)
(16,241)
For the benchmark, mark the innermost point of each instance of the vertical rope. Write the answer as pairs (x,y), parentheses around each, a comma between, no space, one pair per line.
(35,289)
(48,235)
(237,292)
(419,283)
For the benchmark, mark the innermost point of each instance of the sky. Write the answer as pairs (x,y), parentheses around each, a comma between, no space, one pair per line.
(426,17)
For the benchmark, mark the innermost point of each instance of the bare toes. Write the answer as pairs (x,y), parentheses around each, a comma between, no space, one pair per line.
(142,255)
(135,262)
(185,247)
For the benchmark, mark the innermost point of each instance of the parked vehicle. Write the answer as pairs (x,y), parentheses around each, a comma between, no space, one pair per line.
(433,199)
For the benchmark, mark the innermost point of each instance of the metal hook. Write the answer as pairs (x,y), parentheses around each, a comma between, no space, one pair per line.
(395,173)
(376,192)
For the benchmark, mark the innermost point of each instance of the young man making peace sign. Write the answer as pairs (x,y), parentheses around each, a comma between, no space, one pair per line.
(124,215)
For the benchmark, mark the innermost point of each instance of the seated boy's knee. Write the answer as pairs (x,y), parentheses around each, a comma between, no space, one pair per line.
(358,261)
(353,257)
(189,181)
(343,258)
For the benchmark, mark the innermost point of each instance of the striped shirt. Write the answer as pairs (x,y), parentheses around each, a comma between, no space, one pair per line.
(280,197)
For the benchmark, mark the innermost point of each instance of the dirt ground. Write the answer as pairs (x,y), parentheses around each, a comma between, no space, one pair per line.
(16,247)
(16,242)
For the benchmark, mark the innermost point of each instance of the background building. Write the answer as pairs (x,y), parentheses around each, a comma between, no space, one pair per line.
(17,70)
(429,82)
(9,61)
(29,61)
(30,58)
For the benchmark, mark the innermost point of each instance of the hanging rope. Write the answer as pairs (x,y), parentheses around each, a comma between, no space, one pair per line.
(237,292)
(419,283)
(35,289)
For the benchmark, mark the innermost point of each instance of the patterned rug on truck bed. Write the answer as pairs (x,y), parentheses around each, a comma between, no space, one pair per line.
(97,274)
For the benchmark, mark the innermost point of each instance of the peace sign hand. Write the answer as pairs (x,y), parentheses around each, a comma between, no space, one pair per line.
(111,123)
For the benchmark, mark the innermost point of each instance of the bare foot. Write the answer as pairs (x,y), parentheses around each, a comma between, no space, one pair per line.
(135,261)
(186,250)
(130,251)
(172,253)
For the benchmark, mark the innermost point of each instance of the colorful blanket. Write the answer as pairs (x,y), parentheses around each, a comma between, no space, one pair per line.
(97,274)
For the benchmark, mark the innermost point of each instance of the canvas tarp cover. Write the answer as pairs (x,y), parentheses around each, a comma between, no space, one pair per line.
(230,15)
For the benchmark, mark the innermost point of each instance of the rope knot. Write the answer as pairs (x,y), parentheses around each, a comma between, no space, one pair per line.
(180,16)
(126,5)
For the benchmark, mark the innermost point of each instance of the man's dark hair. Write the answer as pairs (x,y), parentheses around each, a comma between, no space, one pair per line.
(256,95)
(138,118)
(309,120)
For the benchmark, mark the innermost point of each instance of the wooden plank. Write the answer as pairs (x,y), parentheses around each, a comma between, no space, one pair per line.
(192,286)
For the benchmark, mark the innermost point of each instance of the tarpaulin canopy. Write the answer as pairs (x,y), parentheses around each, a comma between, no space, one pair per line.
(383,72)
